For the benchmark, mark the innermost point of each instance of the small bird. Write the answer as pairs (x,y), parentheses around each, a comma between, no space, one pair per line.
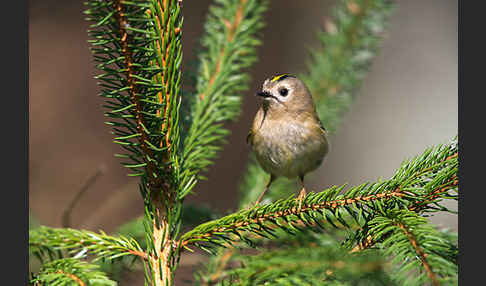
(287,136)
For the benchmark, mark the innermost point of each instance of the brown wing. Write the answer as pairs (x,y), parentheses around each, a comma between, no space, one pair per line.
(320,122)
(322,126)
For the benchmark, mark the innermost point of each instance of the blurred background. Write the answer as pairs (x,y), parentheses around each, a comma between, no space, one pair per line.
(408,101)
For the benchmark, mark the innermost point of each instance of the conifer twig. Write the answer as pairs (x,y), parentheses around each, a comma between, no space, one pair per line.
(133,91)
(231,29)
(308,265)
(45,239)
(143,39)
(168,47)
(416,206)
(71,271)
(73,277)
(420,253)
(415,247)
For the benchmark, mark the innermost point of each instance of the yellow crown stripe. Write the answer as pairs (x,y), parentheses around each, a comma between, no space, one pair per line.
(275,78)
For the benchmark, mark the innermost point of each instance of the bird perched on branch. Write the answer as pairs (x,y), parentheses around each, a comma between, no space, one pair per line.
(287,136)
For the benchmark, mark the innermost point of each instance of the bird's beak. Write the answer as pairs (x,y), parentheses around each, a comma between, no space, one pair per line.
(263,94)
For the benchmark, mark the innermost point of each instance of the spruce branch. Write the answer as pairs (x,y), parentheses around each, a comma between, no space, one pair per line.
(350,41)
(419,251)
(138,46)
(140,80)
(424,181)
(45,241)
(220,265)
(365,240)
(312,265)
(71,271)
(416,247)
(229,43)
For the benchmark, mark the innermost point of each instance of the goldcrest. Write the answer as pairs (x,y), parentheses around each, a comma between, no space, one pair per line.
(287,136)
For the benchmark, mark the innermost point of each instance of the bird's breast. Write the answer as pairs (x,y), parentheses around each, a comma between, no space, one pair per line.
(289,149)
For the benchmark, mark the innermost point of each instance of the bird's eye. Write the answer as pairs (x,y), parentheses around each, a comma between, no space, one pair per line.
(284,92)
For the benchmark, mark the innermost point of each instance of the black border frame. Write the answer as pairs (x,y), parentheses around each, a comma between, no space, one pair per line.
(15,135)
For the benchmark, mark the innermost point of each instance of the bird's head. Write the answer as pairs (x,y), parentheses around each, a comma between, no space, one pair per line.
(286,92)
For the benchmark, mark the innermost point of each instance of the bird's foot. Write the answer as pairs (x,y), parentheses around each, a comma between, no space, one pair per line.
(260,197)
(301,197)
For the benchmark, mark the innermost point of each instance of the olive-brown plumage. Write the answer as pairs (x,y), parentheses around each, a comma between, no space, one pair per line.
(287,136)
